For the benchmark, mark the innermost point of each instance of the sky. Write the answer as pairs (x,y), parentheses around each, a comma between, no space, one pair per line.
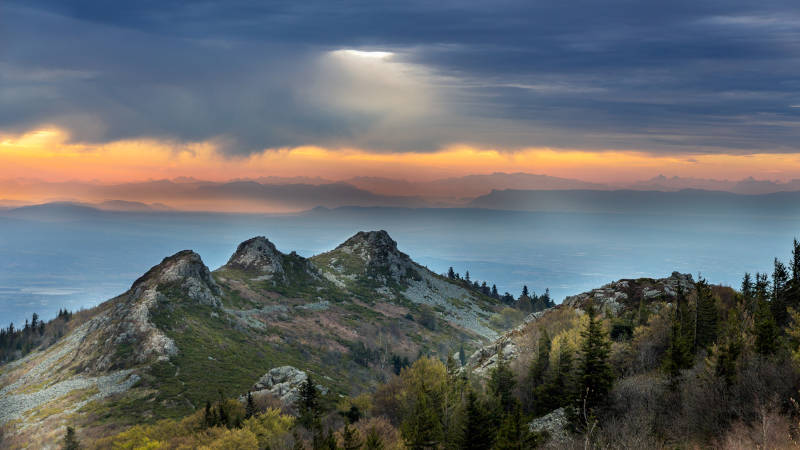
(609,91)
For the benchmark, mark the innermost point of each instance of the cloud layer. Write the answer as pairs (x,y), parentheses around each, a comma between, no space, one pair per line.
(676,77)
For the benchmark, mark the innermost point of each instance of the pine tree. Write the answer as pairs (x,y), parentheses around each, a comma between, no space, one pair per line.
(479,430)
(250,408)
(308,404)
(730,348)
(422,428)
(501,383)
(542,363)
(766,330)
(561,388)
(780,279)
(495,294)
(525,290)
(747,292)
(514,433)
(796,260)
(324,441)
(70,440)
(462,356)
(707,315)
(466,277)
(595,374)
(451,274)
(678,355)
(208,418)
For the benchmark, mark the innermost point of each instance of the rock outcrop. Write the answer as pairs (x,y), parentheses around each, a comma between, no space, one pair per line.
(128,325)
(554,423)
(284,384)
(184,270)
(260,256)
(628,293)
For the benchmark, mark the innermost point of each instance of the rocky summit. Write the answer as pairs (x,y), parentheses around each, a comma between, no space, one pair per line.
(149,351)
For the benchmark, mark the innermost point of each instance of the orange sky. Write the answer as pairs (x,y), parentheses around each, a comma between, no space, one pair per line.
(48,155)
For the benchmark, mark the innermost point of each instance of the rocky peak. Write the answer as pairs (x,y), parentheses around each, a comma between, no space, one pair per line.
(258,255)
(379,254)
(184,269)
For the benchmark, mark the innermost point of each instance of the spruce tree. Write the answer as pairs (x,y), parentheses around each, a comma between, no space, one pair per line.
(250,407)
(422,428)
(765,330)
(513,433)
(730,348)
(451,274)
(479,431)
(541,365)
(70,440)
(796,260)
(707,315)
(595,374)
(308,404)
(501,383)
(780,279)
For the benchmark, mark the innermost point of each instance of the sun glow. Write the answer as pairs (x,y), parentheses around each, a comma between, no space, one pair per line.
(48,154)
(364,54)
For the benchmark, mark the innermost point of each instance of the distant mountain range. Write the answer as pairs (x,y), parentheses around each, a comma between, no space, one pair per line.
(293,194)
(686,201)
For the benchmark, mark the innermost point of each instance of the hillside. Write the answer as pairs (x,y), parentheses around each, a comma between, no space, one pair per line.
(183,335)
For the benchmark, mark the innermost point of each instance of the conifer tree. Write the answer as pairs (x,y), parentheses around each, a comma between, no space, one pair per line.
(495,294)
(70,440)
(451,273)
(513,433)
(707,315)
(250,407)
(479,430)
(730,348)
(525,290)
(501,383)
(462,356)
(541,365)
(308,404)
(780,278)
(678,355)
(765,330)
(422,428)
(795,260)
(747,292)
(595,374)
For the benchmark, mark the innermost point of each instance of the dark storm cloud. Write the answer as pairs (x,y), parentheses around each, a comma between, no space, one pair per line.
(674,76)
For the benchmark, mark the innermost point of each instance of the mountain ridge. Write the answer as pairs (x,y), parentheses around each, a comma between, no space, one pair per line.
(146,350)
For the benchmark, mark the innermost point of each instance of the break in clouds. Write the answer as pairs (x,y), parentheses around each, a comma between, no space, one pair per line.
(673,77)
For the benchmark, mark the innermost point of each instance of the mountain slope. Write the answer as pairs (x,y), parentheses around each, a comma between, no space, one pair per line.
(148,352)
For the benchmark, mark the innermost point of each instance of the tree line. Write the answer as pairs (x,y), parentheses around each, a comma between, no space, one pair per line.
(527,301)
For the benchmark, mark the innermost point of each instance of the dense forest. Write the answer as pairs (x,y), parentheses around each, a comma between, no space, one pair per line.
(716,367)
